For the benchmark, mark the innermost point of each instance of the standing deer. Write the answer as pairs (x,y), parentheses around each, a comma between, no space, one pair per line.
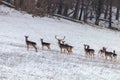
(45,44)
(89,52)
(108,54)
(30,43)
(102,52)
(61,45)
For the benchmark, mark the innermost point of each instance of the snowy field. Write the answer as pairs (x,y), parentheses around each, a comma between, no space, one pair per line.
(16,63)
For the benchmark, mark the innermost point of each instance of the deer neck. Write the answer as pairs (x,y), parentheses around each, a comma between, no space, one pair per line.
(41,41)
(59,43)
(26,39)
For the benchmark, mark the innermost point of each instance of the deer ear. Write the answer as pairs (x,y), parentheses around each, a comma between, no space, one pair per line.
(26,36)
(56,37)
(113,50)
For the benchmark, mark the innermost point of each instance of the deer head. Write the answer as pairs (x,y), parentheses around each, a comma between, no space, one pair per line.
(104,48)
(114,51)
(86,46)
(26,38)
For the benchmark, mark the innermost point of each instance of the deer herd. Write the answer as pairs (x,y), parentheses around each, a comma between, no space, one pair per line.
(66,48)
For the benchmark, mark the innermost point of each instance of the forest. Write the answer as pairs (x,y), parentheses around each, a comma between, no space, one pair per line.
(87,11)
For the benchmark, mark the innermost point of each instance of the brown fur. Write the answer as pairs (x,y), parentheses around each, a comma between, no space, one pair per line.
(108,54)
(102,52)
(30,43)
(69,48)
(45,44)
(63,46)
(89,52)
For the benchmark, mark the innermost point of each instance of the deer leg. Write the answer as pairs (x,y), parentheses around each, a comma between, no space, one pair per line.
(111,57)
(61,50)
(102,54)
(86,54)
(115,58)
(99,53)
(42,47)
(105,57)
(89,54)
(93,55)
(27,47)
(35,48)
(48,47)
(68,51)
(64,50)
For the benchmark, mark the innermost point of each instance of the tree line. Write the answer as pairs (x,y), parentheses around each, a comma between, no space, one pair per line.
(82,10)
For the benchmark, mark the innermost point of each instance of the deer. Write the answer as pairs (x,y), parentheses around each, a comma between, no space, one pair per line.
(44,44)
(88,51)
(30,43)
(108,54)
(61,45)
(101,52)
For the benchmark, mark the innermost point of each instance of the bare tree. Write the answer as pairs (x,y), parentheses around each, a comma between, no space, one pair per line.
(60,7)
(106,8)
(0,1)
(82,8)
(110,14)
(67,4)
(118,10)
(98,11)
(75,15)
(86,10)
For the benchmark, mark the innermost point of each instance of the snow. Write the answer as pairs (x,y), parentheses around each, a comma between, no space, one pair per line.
(16,63)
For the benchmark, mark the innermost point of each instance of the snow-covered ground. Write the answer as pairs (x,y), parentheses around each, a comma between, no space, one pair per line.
(16,63)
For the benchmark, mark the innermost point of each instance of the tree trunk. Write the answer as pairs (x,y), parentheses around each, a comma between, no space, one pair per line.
(65,13)
(86,10)
(110,14)
(81,11)
(118,10)
(17,4)
(60,7)
(106,9)
(75,15)
(0,1)
(98,11)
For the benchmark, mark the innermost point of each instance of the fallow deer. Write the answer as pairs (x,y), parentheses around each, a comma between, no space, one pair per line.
(61,45)
(108,54)
(30,43)
(45,44)
(102,52)
(89,52)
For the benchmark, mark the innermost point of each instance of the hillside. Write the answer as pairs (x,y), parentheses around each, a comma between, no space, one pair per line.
(16,63)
